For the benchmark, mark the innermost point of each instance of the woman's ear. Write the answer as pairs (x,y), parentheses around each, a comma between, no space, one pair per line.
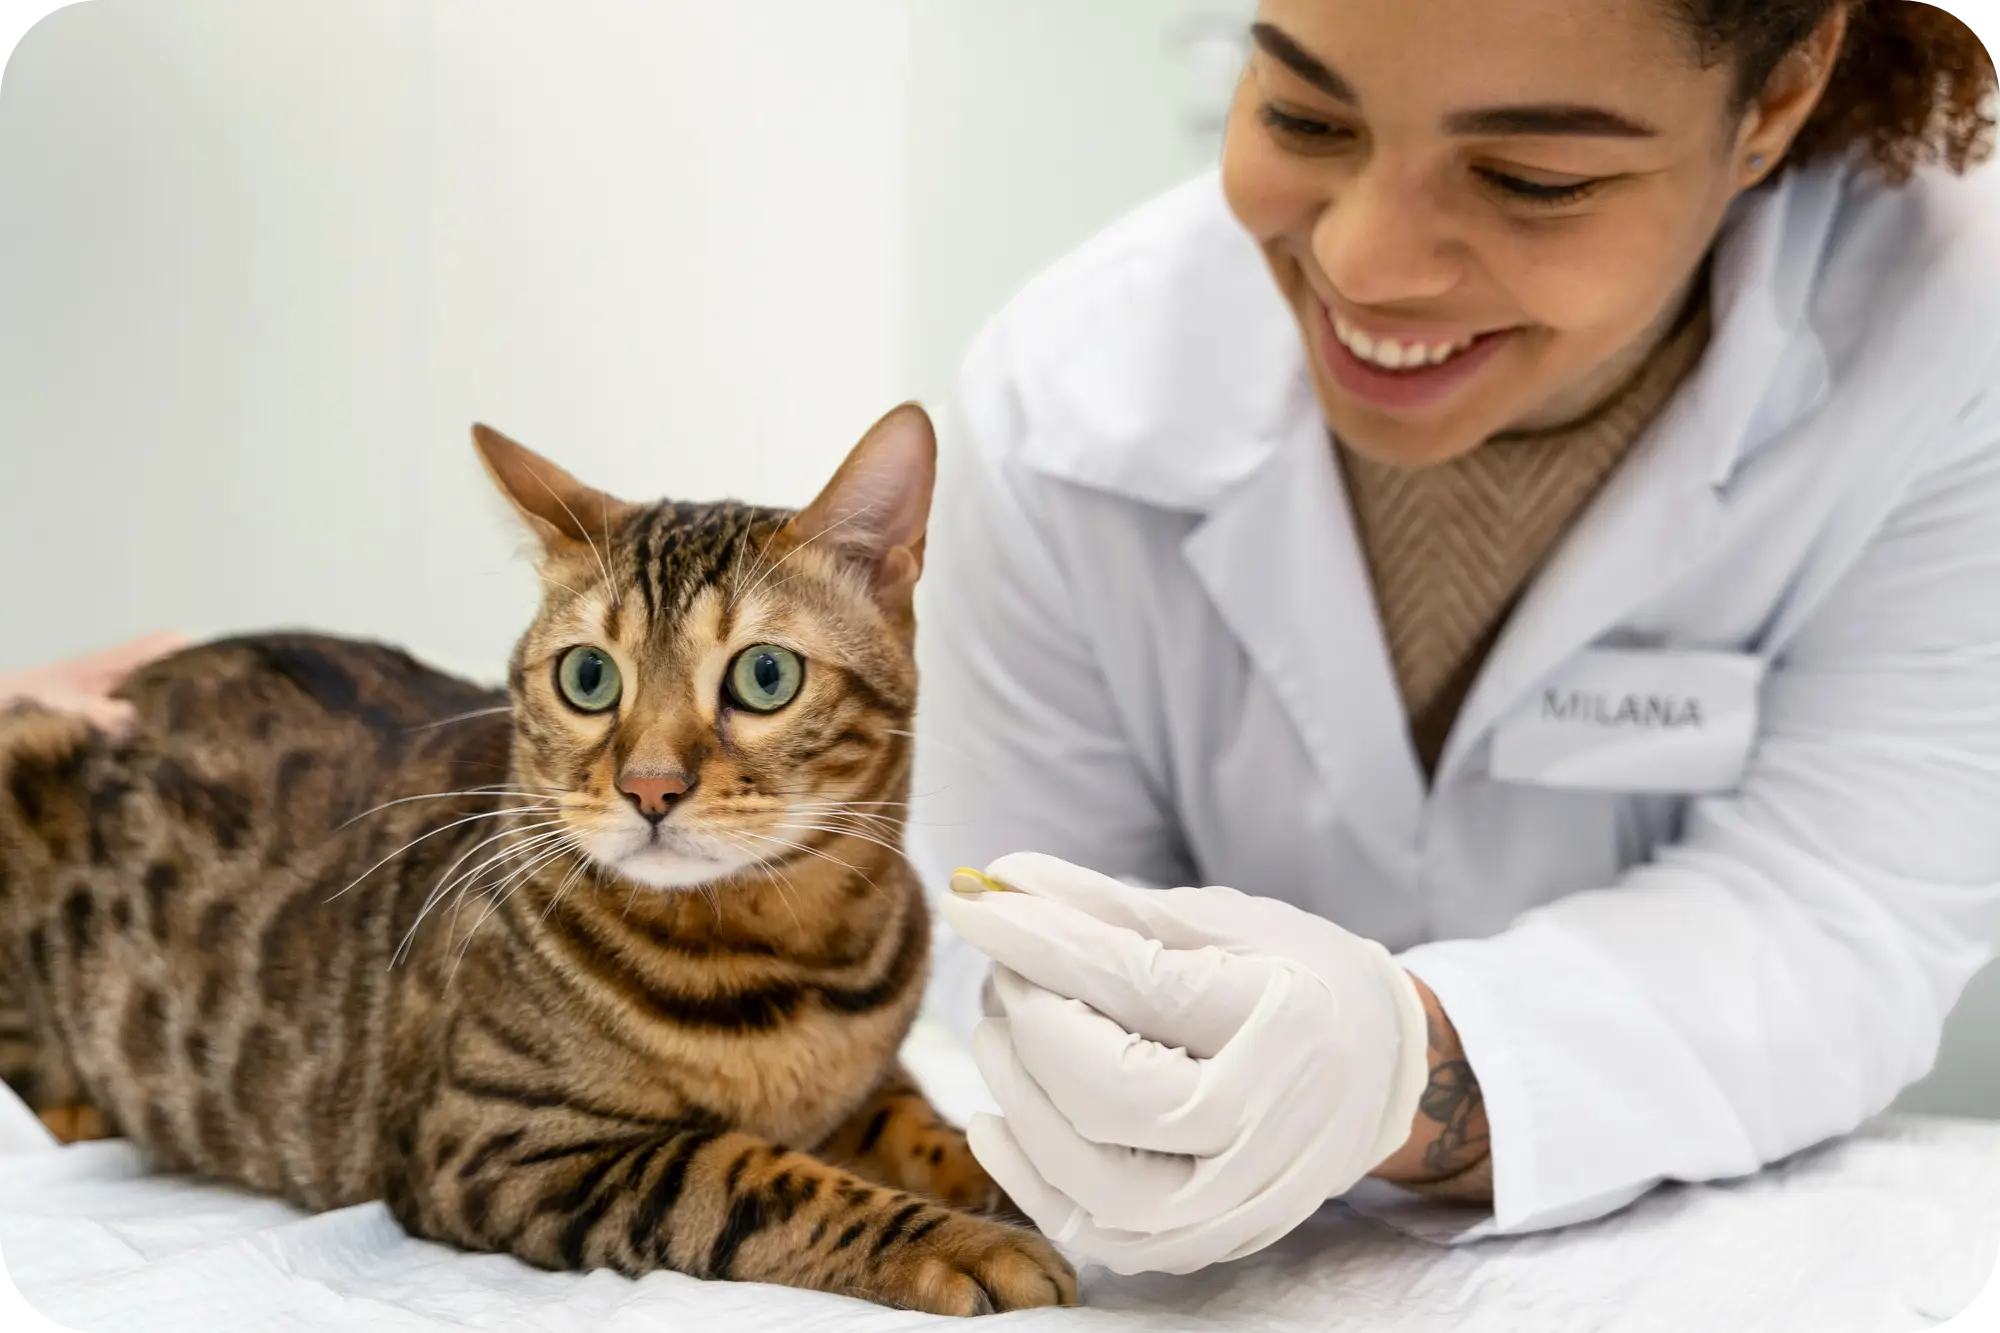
(1780,110)
(875,509)
(565,515)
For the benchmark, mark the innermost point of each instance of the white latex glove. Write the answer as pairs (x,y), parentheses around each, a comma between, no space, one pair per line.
(1186,1074)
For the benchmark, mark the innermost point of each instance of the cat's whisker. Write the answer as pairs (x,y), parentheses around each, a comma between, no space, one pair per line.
(786,581)
(800,791)
(507,889)
(445,880)
(462,717)
(422,837)
(790,894)
(881,825)
(443,887)
(736,569)
(582,864)
(843,832)
(930,740)
(486,867)
(468,885)
(784,884)
(445,795)
(828,530)
(558,583)
(757,569)
(815,851)
(604,520)
(602,564)
(888,823)
(851,805)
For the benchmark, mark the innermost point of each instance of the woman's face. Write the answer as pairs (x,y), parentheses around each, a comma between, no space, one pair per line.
(1483,212)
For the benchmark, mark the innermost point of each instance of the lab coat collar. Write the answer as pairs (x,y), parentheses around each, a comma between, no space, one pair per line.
(1166,371)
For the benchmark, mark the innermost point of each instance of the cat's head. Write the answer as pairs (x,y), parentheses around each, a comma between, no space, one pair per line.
(709,688)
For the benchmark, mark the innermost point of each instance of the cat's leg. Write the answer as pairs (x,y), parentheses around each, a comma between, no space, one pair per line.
(41,1075)
(51,1089)
(40,753)
(897,1139)
(568,1190)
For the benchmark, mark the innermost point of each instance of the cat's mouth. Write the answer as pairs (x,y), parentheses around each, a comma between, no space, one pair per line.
(667,857)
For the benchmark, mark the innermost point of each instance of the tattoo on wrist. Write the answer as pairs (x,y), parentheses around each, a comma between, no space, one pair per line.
(1453,1100)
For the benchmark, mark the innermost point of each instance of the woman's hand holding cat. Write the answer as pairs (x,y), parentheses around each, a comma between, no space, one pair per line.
(82,685)
(1186,1074)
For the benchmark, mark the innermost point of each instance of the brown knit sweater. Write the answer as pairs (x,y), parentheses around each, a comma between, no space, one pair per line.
(1450,548)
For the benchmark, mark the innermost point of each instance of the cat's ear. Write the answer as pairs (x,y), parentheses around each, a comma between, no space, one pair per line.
(564,514)
(875,508)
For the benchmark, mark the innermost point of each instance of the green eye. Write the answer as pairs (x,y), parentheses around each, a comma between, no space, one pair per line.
(765,678)
(588,678)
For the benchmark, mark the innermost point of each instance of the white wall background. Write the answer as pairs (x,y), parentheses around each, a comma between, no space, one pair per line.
(262,262)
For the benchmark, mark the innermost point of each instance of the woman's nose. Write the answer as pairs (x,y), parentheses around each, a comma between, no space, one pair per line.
(1383,241)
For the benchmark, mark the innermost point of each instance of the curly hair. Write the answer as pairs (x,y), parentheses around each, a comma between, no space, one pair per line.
(1913,85)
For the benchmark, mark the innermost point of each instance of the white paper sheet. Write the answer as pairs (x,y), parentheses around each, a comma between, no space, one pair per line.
(1896,1228)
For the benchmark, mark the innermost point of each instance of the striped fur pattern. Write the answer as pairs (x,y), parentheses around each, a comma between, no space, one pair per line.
(338,927)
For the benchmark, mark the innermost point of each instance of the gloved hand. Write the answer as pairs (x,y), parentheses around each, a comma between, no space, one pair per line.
(1186,1074)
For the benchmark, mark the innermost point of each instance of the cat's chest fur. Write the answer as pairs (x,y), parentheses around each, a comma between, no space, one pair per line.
(783,1043)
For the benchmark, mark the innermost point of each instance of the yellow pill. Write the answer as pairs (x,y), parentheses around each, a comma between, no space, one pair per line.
(968,881)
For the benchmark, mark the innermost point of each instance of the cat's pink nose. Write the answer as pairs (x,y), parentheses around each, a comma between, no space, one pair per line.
(653,796)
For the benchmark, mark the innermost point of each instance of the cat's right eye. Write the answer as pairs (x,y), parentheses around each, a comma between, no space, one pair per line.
(588,679)
(765,678)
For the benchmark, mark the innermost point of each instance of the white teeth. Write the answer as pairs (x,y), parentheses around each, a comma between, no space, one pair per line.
(1392,355)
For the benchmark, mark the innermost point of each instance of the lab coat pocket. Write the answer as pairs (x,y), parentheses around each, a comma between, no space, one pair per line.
(1635,721)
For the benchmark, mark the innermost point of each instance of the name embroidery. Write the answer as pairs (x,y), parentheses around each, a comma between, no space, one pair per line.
(1653,712)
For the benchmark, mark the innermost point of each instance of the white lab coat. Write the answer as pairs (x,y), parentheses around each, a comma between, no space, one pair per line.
(1149,646)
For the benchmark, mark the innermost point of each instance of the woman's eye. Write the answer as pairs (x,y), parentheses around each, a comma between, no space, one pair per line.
(765,678)
(1302,129)
(588,679)
(1538,192)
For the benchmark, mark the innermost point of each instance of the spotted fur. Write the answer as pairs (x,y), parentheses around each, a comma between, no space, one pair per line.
(338,927)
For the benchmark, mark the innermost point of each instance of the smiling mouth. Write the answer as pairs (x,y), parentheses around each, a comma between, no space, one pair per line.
(1427,374)
(1395,354)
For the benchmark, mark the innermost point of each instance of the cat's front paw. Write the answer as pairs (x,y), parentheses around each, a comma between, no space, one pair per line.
(968,1265)
(945,1169)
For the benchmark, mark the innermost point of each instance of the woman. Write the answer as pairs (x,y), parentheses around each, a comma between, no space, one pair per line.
(1564,607)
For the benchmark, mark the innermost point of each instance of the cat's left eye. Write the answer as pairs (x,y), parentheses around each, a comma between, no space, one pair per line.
(589,679)
(765,678)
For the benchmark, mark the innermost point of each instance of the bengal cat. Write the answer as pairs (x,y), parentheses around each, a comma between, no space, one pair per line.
(558,972)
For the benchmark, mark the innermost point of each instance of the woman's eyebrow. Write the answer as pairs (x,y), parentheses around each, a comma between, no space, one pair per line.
(1278,44)
(1553,118)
